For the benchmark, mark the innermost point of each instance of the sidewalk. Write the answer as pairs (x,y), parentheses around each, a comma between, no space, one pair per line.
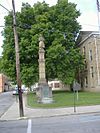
(13,112)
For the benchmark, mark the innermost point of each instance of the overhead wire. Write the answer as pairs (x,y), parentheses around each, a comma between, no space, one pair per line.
(4,7)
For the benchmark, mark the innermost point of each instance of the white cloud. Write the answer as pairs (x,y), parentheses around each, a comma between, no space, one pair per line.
(89,17)
(89,21)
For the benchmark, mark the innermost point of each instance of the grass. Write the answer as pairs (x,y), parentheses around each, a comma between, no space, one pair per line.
(66,99)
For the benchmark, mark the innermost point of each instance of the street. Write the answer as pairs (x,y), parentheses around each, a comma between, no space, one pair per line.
(89,123)
(6,100)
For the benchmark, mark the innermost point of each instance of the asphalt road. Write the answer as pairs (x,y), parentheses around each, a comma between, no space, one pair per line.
(89,123)
(6,100)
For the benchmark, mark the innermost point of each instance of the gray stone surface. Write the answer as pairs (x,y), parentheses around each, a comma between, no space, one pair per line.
(6,100)
(13,112)
(44,93)
(90,41)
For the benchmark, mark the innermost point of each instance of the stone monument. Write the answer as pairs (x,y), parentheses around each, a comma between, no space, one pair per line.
(44,92)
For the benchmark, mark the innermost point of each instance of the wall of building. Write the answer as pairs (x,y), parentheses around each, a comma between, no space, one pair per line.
(1,83)
(4,84)
(57,85)
(91,51)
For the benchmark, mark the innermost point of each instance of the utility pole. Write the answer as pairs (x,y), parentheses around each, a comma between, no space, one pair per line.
(17,63)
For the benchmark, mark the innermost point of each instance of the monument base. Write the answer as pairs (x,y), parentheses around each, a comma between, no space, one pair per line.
(46,100)
(44,94)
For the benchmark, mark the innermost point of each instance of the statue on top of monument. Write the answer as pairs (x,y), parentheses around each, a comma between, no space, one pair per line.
(41,42)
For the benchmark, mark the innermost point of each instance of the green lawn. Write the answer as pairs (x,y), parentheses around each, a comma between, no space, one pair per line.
(66,99)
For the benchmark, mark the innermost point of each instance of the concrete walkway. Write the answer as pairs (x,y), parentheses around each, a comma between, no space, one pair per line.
(13,112)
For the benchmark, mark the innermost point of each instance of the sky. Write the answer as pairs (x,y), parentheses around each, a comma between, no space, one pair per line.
(88,9)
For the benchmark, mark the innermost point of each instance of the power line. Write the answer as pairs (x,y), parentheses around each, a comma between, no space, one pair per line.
(5,8)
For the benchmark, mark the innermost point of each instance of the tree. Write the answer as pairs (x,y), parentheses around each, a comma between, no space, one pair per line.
(58,24)
(0,65)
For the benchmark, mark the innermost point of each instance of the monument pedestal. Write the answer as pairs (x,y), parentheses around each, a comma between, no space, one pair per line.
(44,93)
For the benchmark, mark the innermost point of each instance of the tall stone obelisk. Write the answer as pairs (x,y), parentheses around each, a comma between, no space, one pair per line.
(44,91)
(42,76)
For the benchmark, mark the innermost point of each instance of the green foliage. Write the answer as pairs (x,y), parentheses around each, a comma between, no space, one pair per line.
(58,24)
(66,99)
(0,65)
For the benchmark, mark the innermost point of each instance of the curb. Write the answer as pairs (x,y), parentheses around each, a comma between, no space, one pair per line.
(56,115)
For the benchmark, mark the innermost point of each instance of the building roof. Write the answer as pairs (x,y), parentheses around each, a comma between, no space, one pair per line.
(84,35)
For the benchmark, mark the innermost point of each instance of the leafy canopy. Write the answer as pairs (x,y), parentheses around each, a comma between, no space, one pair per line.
(58,24)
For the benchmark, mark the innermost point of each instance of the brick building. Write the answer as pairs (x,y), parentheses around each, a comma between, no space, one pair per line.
(4,84)
(89,43)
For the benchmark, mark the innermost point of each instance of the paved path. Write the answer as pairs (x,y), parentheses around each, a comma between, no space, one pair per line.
(6,100)
(13,112)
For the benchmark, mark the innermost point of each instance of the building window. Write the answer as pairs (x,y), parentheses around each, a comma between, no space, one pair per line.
(85,64)
(90,55)
(92,74)
(86,82)
(56,85)
(84,51)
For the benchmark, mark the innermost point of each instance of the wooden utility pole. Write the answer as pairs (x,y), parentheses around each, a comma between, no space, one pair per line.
(17,63)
